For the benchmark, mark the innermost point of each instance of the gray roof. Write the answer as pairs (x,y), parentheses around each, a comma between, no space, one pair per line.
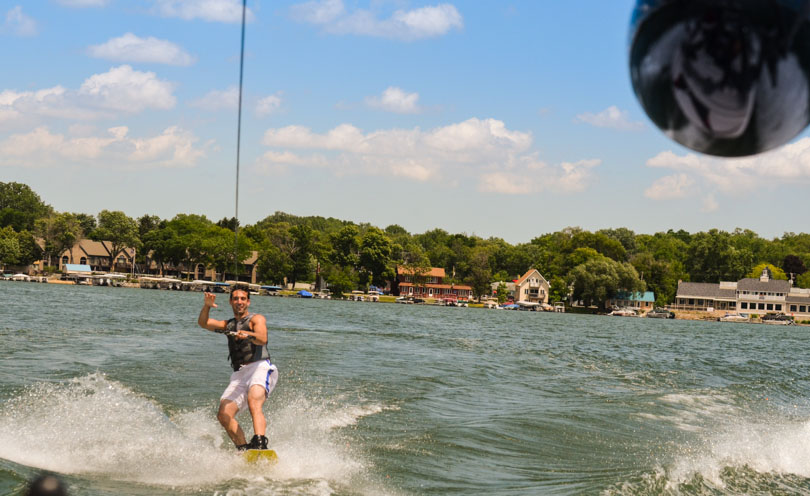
(772,286)
(705,290)
(800,299)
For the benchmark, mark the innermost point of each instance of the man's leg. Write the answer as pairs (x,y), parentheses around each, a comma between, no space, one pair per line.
(256,397)
(227,417)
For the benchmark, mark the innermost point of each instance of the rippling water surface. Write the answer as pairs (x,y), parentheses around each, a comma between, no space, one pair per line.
(116,390)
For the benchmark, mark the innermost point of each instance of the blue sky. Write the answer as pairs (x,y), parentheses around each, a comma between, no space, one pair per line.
(495,118)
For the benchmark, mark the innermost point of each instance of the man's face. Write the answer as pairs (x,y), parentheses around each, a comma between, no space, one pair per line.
(239,301)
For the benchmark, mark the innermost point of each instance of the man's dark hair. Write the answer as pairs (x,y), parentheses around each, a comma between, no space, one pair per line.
(241,287)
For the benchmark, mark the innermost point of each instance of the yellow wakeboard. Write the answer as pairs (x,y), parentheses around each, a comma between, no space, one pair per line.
(256,455)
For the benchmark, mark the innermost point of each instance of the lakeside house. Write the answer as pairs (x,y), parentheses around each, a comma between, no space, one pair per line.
(531,287)
(430,284)
(754,296)
(96,256)
(640,301)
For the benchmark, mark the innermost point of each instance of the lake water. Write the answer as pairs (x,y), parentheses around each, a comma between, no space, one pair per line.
(116,391)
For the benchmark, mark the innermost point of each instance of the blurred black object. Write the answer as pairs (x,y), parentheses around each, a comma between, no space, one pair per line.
(46,485)
(723,77)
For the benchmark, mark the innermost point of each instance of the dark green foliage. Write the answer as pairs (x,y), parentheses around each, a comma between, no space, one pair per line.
(20,207)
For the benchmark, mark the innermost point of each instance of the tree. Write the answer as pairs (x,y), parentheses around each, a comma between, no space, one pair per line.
(222,253)
(375,256)
(598,280)
(803,281)
(558,289)
(88,224)
(273,264)
(711,257)
(341,280)
(792,264)
(18,248)
(623,235)
(660,276)
(162,245)
(59,233)
(480,273)
(232,224)
(9,247)
(345,247)
(189,243)
(301,255)
(119,230)
(501,293)
(776,272)
(20,207)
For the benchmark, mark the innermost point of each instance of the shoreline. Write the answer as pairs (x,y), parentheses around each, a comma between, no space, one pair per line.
(679,314)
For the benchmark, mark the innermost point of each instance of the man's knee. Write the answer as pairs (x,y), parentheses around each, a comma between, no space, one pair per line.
(225,415)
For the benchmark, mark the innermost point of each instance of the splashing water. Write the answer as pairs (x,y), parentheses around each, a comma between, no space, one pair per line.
(95,427)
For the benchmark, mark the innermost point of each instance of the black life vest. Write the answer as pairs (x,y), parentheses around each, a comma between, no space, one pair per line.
(242,351)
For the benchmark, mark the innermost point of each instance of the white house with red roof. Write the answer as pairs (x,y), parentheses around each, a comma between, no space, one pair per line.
(532,287)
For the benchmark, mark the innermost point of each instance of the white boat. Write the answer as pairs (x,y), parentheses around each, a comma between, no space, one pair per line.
(735,317)
(660,313)
(777,319)
(624,312)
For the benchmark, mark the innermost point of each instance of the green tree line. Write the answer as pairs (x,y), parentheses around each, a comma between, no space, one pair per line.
(588,266)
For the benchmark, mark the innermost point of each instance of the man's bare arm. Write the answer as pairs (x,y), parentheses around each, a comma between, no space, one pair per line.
(204,320)
(258,331)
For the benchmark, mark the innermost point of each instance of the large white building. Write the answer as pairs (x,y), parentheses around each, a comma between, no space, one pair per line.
(758,296)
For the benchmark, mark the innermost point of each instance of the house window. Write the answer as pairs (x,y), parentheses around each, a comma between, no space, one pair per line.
(64,260)
(792,308)
(83,261)
(770,306)
(778,307)
(691,301)
(802,308)
(762,306)
(744,305)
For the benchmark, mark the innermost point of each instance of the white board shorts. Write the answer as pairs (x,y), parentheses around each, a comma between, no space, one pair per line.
(262,373)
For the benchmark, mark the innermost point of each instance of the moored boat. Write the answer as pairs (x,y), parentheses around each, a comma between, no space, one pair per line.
(777,319)
(660,313)
(735,317)
(624,312)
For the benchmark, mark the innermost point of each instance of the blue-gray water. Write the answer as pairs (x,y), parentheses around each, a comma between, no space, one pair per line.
(116,390)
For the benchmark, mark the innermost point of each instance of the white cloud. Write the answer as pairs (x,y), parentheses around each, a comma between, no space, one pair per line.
(174,147)
(268,105)
(484,150)
(131,48)
(415,24)
(394,99)
(787,165)
(83,3)
(612,117)
(207,10)
(120,90)
(214,100)
(18,24)
(528,175)
(124,89)
(318,11)
(670,187)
